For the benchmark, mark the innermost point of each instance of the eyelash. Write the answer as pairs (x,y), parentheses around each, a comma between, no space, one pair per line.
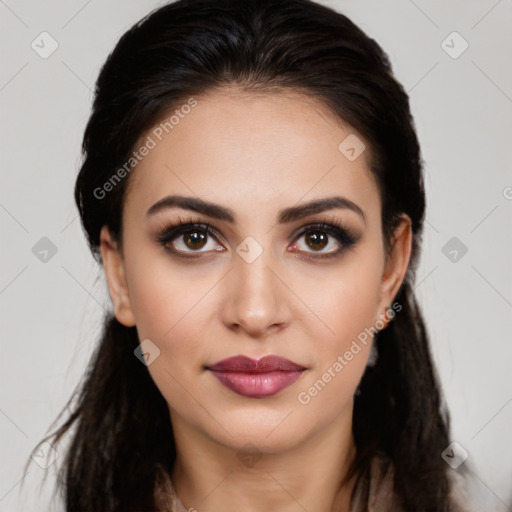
(343,234)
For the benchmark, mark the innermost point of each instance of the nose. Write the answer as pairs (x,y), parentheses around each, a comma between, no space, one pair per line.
(255,299)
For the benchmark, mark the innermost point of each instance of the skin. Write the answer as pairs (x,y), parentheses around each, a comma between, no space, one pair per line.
(255,153)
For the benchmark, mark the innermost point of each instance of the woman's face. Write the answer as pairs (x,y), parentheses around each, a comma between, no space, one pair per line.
(265,281)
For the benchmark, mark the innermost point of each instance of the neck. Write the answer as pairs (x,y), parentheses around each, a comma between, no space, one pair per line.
(209,477)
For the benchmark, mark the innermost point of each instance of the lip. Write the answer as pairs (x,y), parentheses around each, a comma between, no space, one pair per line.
(256,378)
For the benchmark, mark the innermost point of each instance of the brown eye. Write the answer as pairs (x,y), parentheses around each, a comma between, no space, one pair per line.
(195,240)
(190,238)
(319,241)
(324,240)
(316,240)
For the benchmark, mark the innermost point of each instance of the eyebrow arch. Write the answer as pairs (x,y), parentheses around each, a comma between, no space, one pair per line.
(286,215)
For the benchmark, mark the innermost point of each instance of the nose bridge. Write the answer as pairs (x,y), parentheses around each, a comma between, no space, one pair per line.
(255,298)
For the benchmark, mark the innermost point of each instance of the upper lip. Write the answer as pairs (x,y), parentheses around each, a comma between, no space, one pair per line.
(262,365)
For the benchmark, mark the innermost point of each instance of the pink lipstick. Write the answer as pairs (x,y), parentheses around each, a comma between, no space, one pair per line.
(256,378)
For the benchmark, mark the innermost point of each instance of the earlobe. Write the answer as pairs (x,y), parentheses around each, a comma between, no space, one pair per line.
(113,265)
(397,263)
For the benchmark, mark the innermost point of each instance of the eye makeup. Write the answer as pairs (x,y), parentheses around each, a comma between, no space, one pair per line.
(323,230)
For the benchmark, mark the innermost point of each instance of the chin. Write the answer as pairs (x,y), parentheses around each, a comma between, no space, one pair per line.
(267,431)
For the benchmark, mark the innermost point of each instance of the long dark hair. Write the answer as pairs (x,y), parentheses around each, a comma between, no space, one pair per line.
(122,448)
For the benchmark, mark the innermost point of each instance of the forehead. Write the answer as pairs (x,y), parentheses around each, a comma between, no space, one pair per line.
(252,149)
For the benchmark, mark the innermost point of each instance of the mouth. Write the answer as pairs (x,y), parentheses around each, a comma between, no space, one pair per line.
(259,378)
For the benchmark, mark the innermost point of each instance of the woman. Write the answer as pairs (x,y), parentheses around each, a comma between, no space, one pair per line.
(252,186)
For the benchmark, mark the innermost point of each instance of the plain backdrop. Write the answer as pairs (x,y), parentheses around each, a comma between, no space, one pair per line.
(460,88)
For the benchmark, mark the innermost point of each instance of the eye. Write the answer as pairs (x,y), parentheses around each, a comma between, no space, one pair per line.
(324,240)
(189,238)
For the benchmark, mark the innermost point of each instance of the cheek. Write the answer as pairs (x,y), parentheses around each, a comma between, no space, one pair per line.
(164,296)
(340,360)
(347,306)
(169,311)
(346,303)
(172,308)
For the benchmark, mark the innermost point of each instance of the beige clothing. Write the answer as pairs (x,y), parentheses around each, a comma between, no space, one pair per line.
(378,497)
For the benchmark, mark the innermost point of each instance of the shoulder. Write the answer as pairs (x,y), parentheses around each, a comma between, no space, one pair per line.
(381,494)
(459,491)
(166,497)
(376,494)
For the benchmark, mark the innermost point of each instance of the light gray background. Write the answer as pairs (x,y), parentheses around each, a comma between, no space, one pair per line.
(51,311)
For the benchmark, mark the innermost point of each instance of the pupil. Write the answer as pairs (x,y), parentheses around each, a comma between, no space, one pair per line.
(316,241)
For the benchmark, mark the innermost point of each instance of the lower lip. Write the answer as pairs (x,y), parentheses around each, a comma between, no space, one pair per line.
(257,385)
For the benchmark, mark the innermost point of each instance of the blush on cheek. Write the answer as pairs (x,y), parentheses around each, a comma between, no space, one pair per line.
(159,304)
(347,313)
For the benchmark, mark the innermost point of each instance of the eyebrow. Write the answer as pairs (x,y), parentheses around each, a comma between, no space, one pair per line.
(286,215)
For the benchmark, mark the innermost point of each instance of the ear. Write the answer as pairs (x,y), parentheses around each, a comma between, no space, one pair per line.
(396,263)
(113,265)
